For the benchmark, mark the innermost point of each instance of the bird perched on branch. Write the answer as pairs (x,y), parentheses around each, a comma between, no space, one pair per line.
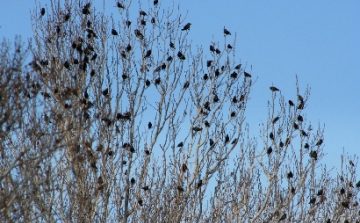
(186,27)
(226,32)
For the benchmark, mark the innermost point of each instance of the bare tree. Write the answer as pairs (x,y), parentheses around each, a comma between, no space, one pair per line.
(122,120)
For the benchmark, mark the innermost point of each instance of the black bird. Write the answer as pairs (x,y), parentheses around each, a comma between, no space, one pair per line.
(187,84)
(227,138)
(226,32)
(157,81)
(180,188)
(342,191)
(152,20)
(281,144)
(269,150)
(145,188)
(86,10)
(199,184)
(138,34)
(169,58)
(217,72)
(312,200)
(140,202)
(320,192)
(216,98)
(212,48)
(110,153)
(205,77)
(246,74)
(143,13)
(147,83)
(67,65)
(272,88)
(149,125)
(319,142)
(119,5)
(313,154)
(105,92)
(186,27)
(234,100)
(67,17)
(207,124)
(233,114)
(211,142)
(181,144)
(351,163)
(128,48)
(128,23)
(300,98)
(172,45)
(306,146)
(300,118)
(275,119)
(156,2)
(42,11)
(114,32)
(234,141)
(147,152)
(217,51)
(143,22)
(148,53)
(301,106)
(296,126)
(237,67)
(229,47)
(345,204)
(233,75)
(290,175)
(197,128)
(271,135)
(357,184)
(181,56)
(291,103)
(303,133)
(132,181)
(208,63)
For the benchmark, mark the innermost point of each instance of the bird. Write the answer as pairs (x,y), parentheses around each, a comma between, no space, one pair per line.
(186,27)
(312,200)
(132,181)
(149,125)
(306,146)
(181,56)
(234,100)
(319,142)
(216,98)
(197,128)
(269,150)
(300,98)
(208,63)
(138,34)
(142,13)
(181,144)
(145,188)
(147,82)
(169,58)
(187,84)
(227,138)
(205,77)
(300,118)
(140,202)
(296,126)
(229,47)
(42,11)
(157,81)
(184,168)
(156,2)
(290,175)
(271,135)
(119,5)
(237,67)
(211,142)
(148,53)
(128,23)
(128,48)
(275,119)
(207,124)
(152,20)
(226,32)
(212,48)
(105,92)
(233,75)
(313,154)
(233,114)
(291,103)
(283,217)
(114,32)
(320,192)
(217,51)
(351,163)
(272,88)
(234,141)
(172,45)
(246,74)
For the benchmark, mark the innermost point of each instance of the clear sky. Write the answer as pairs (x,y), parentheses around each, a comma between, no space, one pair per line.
(317,40)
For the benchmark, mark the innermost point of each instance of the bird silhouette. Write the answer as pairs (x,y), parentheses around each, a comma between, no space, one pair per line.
(306,146)
(290,175)
(197,128)
(269,150)
(226,32)
(229,47)
(119,5)
(208,63)
(172,45)
(149,125)
(207,124)
(186,27)
(148,53)
(181,144)
(128,23)
(205,77)
(157,81)
(275,119)
(227,138)
(138,34)
(211,142)
(291,103)
(187,84)
(237,67)
(145,188)
(212,48)
(105,92)
(320,192)
(142,13)
(272,88)
(114,32)
(271,135)
(217,51)
(233,75)
(181,56)
(246,74)
(156,2)
(42,11)
(312,200)
(300,118)
(313,154)
(147,82)
(216,98)
(319,142)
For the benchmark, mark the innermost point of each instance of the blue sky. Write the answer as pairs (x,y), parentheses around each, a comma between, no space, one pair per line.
(317,40)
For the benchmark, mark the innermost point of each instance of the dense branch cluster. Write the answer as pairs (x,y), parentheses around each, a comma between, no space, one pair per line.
(116,119)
